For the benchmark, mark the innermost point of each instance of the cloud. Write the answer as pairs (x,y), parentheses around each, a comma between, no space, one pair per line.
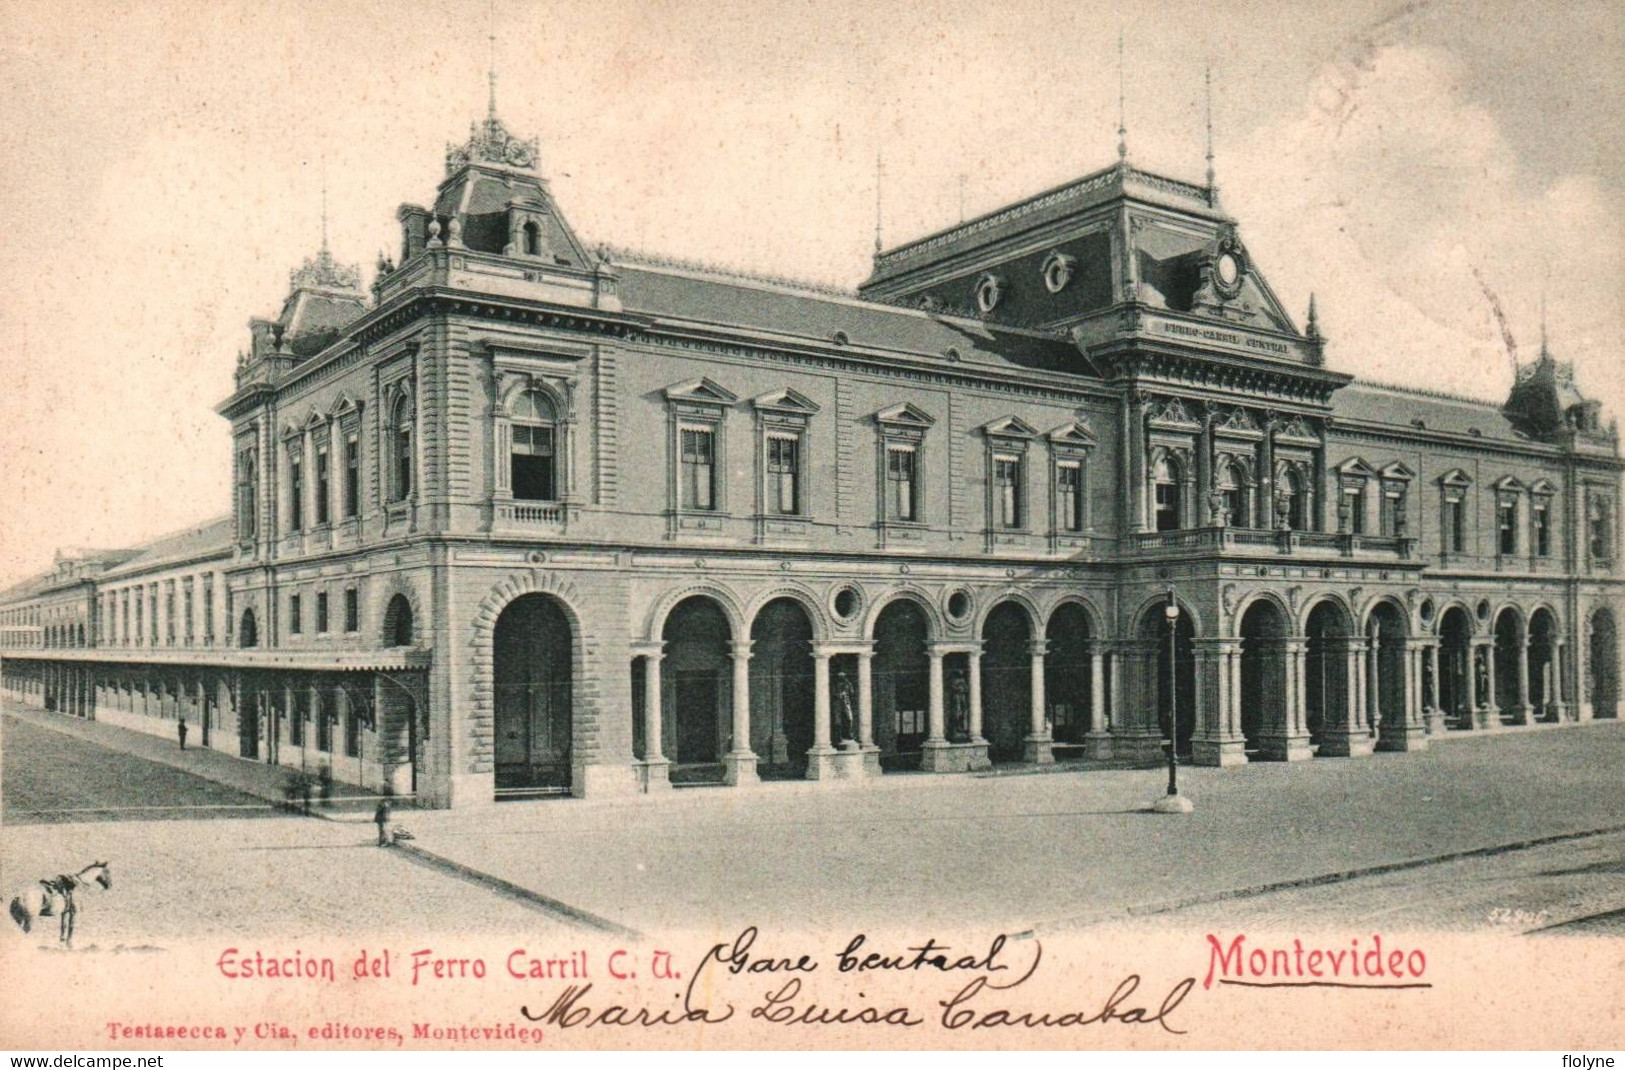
(1385,194)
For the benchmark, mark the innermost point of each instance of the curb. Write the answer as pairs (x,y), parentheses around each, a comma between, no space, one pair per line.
(560,910)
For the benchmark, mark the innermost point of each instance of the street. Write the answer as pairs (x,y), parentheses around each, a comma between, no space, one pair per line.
(187,866)
(1269,844)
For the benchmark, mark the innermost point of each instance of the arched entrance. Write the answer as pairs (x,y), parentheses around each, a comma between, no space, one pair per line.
(1543,687)
(1455,662)
(1263,698)
(1328,711)
(1385,673)
(901,672)
(1006,682)
(532,659)
(1602,676)
(1068,687)
(1509,697)
(781,688)
(698,688)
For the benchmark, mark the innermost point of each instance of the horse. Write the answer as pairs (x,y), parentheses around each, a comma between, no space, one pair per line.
(54,896)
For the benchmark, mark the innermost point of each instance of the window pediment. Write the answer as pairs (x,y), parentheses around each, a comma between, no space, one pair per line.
(701,391)
(1010,427)
(1356,468)
(1542,488)
(905,415)
(1173,413)
(1456,478)
(1398,471)
(1509,485)
(786,402)
(1075,434)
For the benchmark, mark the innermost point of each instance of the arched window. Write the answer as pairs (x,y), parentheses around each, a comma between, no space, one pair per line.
(1233,482)
(247,632)
(401,433)
(532,458)
(533,239)
(398,622)
(1292,489)
(1166,476)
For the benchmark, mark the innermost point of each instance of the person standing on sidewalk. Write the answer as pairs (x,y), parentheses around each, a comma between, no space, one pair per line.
(181,729)
(381,817)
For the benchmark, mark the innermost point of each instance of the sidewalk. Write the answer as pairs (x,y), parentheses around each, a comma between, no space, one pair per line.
(252,778)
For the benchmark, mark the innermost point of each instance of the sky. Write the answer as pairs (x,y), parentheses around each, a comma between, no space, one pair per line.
(164,172)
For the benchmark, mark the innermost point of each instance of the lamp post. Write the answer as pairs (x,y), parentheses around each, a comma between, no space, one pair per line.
(1173,802)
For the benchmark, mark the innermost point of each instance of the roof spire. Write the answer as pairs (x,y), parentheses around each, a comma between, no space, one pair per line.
(1122,111)
(491,64)
(880,173)
(1312,328)
(1212,184)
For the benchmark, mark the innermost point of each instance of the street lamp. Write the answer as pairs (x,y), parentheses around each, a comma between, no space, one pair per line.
(1173,802)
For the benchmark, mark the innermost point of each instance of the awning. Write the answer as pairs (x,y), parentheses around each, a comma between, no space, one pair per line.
(392,659)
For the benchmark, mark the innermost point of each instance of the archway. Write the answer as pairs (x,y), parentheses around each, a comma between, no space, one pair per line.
(1154,629)
(902,671)
(1602,678)
(1068,684)
(1326,677)
(1263,697)
(781,688)
(1455,661)
(248,633)
(1385,684)
(1509,698)
(697,681)
(532,668)
(398,622)
(1543,668)
(1006,681)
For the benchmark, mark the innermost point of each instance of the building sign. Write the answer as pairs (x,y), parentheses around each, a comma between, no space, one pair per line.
(1227,338)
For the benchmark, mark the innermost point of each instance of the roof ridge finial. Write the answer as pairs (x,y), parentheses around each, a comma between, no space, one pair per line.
(1122,110)
(1545,354)
(880,174)
(1312,328)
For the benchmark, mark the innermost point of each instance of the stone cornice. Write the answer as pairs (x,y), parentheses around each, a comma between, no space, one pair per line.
(1346,428)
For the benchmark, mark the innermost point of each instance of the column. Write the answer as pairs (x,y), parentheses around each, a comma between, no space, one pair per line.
(936,732)
(1039,746)
(1344,732)
(1521,709)
(1287,739)
(821,707)
(1373,681)
(1433,712)
(739,764)
(1559,684)
(866,701)
(1217,740)
(974,660)
(1114,694)
(1137,734)
(655,769)
(1098,742)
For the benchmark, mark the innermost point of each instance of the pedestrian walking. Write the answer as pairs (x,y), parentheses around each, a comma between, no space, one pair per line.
(181,729)
(381,817)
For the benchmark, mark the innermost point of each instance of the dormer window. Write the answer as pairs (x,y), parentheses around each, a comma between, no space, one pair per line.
(532,239)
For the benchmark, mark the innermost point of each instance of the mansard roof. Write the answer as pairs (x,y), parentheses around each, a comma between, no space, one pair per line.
(1420,410)
(207,539)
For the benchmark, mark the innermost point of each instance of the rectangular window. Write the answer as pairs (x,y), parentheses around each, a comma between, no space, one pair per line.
(1543,533)
(1356,504)
(187,591)
(229,620)
(140,621)
(784,475)
(352,475)
(296,492)
(208,610)
(169,613)
(1507,519)
(247,505)
(124,613)
(1069,497)
(1167,506)
(1392,506)
(531,464)
(1458,527)
(352,610)
(902,487)
(294,624)
(321,612)
(324,484)
(698,469)
(301,714)
(1602,541)
(1007,484)
(911,722)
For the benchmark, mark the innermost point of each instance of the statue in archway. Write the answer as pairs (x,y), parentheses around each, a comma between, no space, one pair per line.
(959,709)
(845,704)
(1481,676)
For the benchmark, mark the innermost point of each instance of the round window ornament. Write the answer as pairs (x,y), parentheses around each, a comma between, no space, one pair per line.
(847,602)
(989,292)
(1229,267)
(1058,271)
(959,605)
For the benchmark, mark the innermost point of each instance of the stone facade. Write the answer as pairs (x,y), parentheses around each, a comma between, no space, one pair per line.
(529,518)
